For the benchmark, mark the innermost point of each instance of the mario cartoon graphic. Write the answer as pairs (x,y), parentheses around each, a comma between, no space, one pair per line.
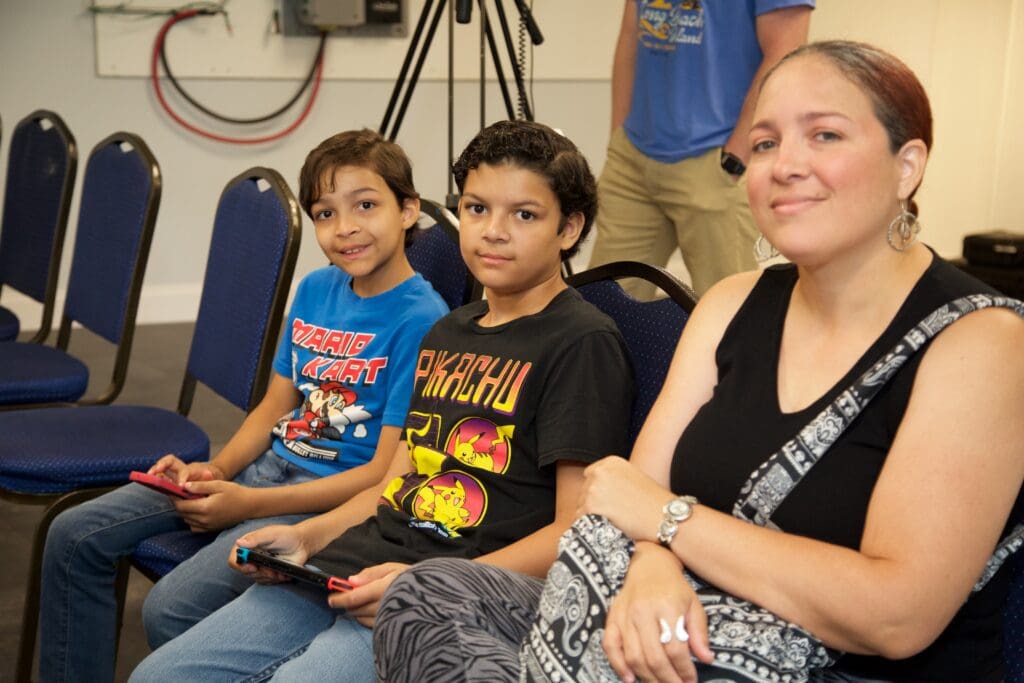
(329,409)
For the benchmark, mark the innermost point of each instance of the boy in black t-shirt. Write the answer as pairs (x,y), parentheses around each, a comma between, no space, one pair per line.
(513,396)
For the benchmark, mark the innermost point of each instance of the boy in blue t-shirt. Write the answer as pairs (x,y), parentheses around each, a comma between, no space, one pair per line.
(324,431)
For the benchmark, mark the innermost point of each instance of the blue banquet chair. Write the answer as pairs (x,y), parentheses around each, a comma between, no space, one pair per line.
(41,168)
(651,329)
(119,202)
(62,456)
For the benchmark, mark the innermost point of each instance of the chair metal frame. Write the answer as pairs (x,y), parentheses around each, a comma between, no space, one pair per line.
(676,289)
(63,211)
(57,503)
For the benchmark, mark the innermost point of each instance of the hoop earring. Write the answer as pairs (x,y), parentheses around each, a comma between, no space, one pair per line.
(903,229)
(764,250)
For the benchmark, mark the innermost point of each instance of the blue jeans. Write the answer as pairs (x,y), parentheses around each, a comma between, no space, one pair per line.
(78,608)
(285,632)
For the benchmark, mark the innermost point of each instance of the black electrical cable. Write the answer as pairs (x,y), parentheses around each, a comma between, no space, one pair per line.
(228,119)
(524,103)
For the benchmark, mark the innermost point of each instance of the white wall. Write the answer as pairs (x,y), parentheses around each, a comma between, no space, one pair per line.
(970,57)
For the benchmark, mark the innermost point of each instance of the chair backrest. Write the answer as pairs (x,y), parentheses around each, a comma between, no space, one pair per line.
(249,270)
(41,170)
(117,214)
(651,329)
(435,255)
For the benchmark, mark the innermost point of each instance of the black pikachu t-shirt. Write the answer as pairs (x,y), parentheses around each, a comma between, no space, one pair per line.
(493,408)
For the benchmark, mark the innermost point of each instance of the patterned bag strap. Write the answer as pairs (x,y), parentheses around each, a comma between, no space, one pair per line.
(770,484)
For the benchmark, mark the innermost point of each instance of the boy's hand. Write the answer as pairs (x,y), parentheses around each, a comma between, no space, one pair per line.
(174,469)
(225,504)
(362,601)
(284,540)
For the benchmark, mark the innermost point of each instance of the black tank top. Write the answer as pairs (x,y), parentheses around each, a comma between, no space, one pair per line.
(742,425)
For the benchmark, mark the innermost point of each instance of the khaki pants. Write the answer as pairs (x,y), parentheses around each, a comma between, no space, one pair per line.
(648,208)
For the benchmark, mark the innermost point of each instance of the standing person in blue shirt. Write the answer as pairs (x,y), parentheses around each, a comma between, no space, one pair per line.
(684,81)
(324,431)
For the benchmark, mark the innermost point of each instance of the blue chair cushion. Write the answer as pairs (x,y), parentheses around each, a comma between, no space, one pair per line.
(9,325)
(54,450)
(159,554)
(33,373)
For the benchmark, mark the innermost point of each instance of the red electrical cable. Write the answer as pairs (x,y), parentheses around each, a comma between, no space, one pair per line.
(180,16)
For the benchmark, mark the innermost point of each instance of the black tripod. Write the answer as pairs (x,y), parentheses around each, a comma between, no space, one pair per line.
(461,10)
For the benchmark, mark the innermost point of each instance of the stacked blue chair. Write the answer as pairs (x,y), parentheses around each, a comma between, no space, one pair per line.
(41,170)
(651,329)
(62,456)
(120,198)
(435,255)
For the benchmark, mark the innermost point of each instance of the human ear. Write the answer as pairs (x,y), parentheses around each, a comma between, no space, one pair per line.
(570,230)
(911,160)
(410,212)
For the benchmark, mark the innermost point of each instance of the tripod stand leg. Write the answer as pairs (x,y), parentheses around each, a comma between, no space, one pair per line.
(502,82)
(517,70)
(414,43)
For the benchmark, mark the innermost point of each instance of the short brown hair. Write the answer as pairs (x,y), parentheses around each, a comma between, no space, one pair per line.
(365,148)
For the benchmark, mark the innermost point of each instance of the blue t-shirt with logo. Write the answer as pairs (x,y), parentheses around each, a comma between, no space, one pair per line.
(352,358)
(695,61)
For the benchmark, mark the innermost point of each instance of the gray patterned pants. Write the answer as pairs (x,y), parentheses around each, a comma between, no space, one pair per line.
(457,620)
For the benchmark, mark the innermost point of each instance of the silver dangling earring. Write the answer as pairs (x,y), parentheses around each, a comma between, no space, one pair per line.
(903,229)
(764,250)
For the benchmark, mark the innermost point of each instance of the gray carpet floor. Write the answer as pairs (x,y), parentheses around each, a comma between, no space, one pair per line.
(154,378)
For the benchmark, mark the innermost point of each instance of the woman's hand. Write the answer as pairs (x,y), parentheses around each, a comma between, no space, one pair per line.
(224,504)
(647,612)
(172,467)
(363,600)
(284,540)
(612,481)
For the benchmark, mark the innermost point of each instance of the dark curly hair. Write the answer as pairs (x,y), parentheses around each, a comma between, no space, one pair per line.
(365,148)
(540,149)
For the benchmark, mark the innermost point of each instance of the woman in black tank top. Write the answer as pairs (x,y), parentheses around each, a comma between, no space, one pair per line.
(885,536)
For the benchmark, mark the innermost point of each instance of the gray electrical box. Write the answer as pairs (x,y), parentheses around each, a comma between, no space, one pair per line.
(372,18)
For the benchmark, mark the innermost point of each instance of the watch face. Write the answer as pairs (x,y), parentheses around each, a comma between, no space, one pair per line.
(679,509)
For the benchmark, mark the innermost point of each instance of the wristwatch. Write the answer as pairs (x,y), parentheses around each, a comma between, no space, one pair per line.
(676,511)
(732,164)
